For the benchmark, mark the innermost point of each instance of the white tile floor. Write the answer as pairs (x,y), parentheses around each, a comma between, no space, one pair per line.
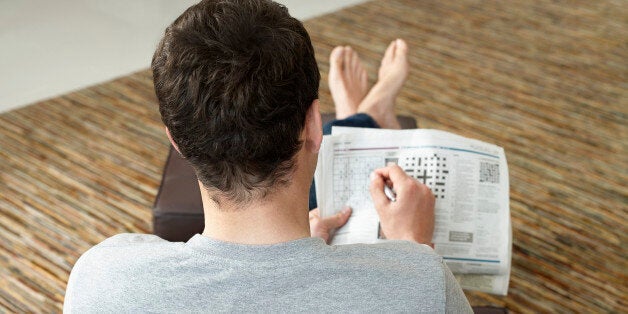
(48,48)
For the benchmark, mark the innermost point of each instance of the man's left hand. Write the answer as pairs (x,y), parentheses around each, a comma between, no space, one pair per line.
(322,227)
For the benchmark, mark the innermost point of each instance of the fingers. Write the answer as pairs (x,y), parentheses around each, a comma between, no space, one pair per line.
(380,200)
(322,227)
(314,212)
(392,172)
(315,221)
(338,220)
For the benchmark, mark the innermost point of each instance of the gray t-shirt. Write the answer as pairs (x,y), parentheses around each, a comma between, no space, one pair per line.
(137,273)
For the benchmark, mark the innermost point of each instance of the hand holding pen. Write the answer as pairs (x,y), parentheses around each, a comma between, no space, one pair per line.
(405,206)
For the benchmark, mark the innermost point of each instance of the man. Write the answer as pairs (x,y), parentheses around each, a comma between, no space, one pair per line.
(237,85)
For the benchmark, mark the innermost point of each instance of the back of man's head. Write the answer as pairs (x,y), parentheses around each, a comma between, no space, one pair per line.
(234,80)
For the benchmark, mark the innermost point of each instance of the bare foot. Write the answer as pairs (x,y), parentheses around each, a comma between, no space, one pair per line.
(380,101)
(348,81)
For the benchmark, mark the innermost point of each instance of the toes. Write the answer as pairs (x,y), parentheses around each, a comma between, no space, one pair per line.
(401,48)
(364,80)
(355,62)
(363,75)
(352,61)
(390,52)
(336,57)
(348,57)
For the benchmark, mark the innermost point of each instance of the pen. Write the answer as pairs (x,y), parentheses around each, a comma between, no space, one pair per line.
(392,196)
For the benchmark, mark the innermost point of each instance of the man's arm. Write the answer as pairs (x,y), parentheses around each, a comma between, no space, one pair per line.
(411,217)
(455,300)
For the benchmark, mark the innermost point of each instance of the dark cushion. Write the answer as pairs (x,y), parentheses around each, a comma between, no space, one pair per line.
(178,209)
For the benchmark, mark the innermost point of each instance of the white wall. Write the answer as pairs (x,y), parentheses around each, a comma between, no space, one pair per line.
(48,48)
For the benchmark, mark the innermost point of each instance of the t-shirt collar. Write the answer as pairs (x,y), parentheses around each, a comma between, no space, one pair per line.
(296,249)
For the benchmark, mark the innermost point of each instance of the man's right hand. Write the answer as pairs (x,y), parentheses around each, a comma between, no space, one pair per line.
(411,216)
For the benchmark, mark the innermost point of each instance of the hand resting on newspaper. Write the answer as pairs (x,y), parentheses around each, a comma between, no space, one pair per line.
(322,227)
(410,217)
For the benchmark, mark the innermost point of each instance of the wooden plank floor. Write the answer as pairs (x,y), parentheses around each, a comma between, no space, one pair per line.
(547,80)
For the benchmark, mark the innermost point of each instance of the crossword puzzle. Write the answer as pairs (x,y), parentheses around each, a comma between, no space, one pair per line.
(351,177)
(431,170)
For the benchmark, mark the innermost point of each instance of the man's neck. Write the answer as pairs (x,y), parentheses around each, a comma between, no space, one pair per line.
(280,217)
(283,214)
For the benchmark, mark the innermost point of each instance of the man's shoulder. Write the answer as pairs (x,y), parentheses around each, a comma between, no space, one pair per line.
(390,256)
(131,239)
(370,273)
(392,249)
(104,270)
(126,248)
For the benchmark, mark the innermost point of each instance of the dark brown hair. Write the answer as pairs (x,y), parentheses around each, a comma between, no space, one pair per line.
(234,80)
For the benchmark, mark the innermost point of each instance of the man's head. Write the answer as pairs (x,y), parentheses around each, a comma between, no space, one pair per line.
(234,80)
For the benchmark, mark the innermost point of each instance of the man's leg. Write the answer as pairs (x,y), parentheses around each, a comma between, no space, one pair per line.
(348,84)
(358,120)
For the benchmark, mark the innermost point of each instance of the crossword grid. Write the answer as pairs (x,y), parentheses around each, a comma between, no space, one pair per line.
(431,170)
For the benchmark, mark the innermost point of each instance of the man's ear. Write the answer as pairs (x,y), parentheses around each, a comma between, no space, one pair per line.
(313,128)
(172,141)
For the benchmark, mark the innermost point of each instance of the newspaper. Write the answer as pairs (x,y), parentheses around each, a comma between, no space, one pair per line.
(469,179)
